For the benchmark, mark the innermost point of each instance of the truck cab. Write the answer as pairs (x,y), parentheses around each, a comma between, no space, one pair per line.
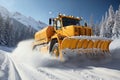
(69,26)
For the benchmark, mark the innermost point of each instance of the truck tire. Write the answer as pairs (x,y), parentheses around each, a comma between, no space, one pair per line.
(55,50)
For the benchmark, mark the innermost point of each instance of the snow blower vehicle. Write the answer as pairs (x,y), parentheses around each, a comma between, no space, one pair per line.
(66,35)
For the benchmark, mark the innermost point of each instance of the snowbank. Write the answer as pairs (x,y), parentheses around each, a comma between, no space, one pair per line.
(115,48)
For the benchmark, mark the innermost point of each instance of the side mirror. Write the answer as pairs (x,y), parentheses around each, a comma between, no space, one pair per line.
(85,24)
(50,21)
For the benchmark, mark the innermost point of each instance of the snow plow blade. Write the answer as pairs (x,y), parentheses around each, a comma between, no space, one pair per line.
(86,45)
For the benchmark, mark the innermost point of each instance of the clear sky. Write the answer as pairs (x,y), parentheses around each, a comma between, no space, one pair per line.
(43,9)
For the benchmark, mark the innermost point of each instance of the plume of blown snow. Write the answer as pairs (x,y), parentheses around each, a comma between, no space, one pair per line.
(24,54)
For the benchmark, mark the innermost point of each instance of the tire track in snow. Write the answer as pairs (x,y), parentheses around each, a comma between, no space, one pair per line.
(3,67)
(57,74)
(27,72)
(72,71)
(4,63)
(33,74)
(82,72)
(13,71)
(88,75)
(68,72)
(108,72)
(62,72)
(50,75)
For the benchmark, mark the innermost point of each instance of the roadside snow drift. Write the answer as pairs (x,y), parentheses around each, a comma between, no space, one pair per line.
(115,48)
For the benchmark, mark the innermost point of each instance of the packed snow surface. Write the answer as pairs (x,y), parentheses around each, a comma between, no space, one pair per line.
(24,64)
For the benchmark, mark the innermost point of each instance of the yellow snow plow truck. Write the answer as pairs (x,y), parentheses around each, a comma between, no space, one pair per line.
(66,35)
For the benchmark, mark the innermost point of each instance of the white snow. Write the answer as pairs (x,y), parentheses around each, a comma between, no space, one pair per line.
(4,12)
(115,48)
(25,64)
(110,24)
(28,21)
(91,37)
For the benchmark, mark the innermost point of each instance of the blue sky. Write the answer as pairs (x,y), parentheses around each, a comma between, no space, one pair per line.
(43,9)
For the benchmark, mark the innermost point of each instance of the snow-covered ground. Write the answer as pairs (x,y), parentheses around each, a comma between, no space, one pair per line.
(25,64)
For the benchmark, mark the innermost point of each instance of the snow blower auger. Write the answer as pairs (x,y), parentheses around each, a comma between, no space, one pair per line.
(67,36)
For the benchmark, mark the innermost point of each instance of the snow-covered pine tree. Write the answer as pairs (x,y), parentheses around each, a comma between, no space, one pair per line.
(103,25)
(109,23)
(2,38)
(97,30)
(7,31)
(11,32)
(91,24)
(116,28)
(1,28)
(94,26)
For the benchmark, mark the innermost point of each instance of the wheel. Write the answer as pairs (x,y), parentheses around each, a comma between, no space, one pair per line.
(55,50)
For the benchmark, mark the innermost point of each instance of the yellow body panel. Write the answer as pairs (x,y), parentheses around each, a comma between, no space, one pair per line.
(74,44)
(96,43)
(48,33)
(88,45)
(85,44)
(44,35)
(105,46)
(68,31)
(80,43)
(65,43)
(99,44)
(76,31)
(44,49)
(69,43)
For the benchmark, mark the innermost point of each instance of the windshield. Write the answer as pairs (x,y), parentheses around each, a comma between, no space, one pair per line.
(70,21)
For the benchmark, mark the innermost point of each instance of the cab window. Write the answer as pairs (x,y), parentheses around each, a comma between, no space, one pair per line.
(58,24)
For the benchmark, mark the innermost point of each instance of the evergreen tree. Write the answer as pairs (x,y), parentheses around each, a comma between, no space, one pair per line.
(103,26)
(110,23)
(107,23)
(91,23)
(1,28)
(116,28)
(7,31)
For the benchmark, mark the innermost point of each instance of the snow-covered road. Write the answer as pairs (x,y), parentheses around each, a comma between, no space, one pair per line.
(24,65)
